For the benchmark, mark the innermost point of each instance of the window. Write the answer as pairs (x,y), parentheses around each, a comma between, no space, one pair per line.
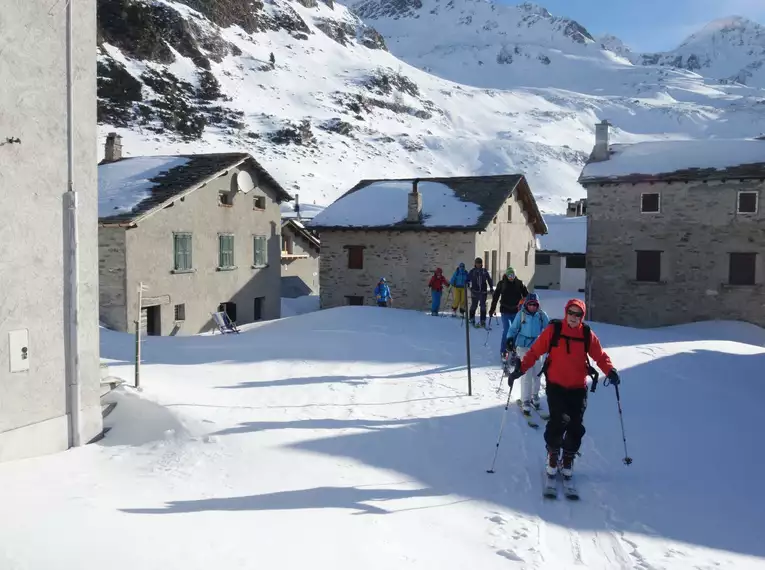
(226,250)
(260,247)
(577,261)
(355,256)
(258,308)
(229,308)
(526,261)
(649,203)
(542,259)
(509,214)
(354,300)
(494,265)
(747,203)
(509,258)
(225,199)
(648,266)
(182,252)
(742,268)
(486,260)
(180,312)
(259,203)
(495,219)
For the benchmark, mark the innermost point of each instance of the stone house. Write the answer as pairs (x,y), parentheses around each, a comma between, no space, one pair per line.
(300,259)
(200,232)
(675,231)
(561,254)
(49,367)
(403,229)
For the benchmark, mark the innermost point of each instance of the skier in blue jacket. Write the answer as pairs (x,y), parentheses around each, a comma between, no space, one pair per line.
(459,283)
(382,293)
(527,325)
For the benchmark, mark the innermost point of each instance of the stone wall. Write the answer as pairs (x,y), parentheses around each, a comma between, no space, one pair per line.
(112,277)
(406,259)
(696,230)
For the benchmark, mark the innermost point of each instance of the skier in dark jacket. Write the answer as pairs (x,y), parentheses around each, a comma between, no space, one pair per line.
(510,292)
(479,282)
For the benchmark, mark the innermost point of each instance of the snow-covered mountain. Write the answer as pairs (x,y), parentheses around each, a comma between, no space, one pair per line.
(310,88)
(731,50)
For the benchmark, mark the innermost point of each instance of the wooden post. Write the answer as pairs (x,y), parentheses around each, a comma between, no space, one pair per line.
(137,380)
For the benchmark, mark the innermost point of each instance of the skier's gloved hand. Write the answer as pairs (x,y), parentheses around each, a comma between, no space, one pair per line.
(510,345)
(613,377)
(514,375)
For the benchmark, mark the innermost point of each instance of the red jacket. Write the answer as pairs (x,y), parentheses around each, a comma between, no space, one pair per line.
(568,364)
(437,282)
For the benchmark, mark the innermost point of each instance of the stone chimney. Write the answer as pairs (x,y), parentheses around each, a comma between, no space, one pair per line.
(113,148)
(414,209)
(600,152)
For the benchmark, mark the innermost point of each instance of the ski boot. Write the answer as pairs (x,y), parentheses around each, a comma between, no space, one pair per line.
(526,408)
(567,465)
(552,462)
(536,402)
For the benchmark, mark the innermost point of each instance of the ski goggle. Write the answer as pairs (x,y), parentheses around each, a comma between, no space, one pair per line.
(533,305)
(575,313)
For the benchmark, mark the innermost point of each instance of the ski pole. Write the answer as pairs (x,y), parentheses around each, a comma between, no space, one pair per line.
(627,459)
(501,429)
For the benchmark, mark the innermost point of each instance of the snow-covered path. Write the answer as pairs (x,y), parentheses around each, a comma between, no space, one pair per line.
(345,439)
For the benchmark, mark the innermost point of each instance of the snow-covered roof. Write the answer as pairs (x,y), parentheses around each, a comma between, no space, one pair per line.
(685,160)
(307,211)
(131,188)
(564,235)
(457,203)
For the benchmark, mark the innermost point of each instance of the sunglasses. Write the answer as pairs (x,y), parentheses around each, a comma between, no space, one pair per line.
(577,314)
(532,305)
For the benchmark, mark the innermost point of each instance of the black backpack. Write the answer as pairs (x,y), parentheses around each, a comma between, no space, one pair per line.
(557,334)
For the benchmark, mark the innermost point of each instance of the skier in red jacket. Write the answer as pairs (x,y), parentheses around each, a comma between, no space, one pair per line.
(566,372)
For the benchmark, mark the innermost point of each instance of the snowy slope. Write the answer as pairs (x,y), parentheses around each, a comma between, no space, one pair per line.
(332,453)
(731,50)
(502,90)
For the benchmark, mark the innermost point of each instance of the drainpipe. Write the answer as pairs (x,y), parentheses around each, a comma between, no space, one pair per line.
(74,395)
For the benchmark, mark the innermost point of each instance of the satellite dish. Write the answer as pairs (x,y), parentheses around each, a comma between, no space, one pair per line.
(244,181)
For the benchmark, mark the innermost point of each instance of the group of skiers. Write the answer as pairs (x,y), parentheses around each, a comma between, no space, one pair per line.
(528,334)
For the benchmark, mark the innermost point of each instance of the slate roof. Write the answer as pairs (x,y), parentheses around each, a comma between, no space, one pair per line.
(489,193)
(183,179)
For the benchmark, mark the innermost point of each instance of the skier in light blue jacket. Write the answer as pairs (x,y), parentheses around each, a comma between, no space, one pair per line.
(526,327)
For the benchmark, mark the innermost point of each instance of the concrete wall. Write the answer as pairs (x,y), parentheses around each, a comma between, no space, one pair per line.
(514,237)
(697,229)
(406,259)
(549,276)
(305,269)
(112,277)
(33,179)
(150,258)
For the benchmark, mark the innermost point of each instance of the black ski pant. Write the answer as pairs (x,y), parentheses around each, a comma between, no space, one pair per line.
(565,428)
(475,298)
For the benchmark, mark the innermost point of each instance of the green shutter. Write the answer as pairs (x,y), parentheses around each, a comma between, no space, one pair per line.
(182,252)
(260,257)
(225,251)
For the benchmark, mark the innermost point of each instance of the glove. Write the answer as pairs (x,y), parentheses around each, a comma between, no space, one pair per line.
(613,377)
(510,345)
(514,375)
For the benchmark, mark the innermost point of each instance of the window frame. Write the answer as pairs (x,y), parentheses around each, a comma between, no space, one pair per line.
(255,239)
(582,256)
(221,265)
(255,200)
(638,253)
(658,202)
(548,256)
(176,252)
(756,201)
(747,255)
(351,250)
(179,312)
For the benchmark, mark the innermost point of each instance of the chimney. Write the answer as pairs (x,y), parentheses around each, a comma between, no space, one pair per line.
(113,148)
(414,209)
(297,205)
(600,152)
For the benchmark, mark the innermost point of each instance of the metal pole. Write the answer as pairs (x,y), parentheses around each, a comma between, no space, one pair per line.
(73,359)
(138,338)
(467,342)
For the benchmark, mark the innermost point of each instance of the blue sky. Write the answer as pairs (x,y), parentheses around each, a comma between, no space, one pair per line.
(650,25)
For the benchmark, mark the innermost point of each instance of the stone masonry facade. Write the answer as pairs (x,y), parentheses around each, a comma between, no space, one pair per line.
(696,230)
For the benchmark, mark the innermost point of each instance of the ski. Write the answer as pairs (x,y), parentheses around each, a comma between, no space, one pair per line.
(569,488)
(549,485)
(531,423)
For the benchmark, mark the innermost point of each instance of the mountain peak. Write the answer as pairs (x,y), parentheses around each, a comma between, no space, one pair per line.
(730,28)
(535,9)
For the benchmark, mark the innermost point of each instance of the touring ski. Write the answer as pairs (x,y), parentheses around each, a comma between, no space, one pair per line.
(527,416)
(549,485)
(569,487)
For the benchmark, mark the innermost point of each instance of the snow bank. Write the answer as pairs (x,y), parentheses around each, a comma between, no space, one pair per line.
(386,203)
(124,184)
(564,234)
(662,157)
(300,305)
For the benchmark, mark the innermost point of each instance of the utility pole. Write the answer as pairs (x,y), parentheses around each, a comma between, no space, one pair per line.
(137,380)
